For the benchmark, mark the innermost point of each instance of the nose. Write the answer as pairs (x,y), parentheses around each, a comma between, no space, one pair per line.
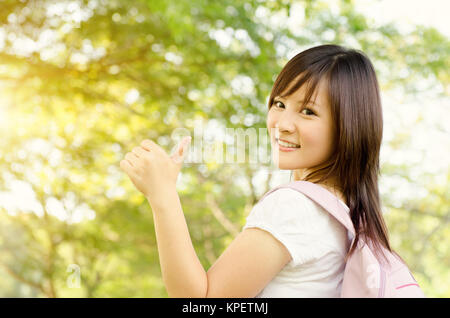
(285,123)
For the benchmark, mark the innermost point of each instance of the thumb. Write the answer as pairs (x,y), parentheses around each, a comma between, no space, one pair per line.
(181,151)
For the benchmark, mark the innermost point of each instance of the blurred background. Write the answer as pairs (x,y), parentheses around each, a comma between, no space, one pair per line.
(82,82)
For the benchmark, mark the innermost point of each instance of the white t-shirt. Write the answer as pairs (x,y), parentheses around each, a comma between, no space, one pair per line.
(316,241)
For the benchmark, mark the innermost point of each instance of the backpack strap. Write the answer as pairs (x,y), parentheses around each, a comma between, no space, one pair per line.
(323,197)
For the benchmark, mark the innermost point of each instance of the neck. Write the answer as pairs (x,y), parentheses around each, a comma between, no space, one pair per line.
(300,174)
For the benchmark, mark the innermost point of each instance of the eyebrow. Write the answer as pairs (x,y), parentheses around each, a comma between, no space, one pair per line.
(297,102)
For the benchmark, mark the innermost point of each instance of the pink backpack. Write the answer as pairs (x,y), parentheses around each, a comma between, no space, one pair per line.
(364,275)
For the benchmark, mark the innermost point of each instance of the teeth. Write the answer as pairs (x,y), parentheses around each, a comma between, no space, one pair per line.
(287,144)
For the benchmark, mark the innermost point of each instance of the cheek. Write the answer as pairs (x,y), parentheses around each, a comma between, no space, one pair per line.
(318,137)
(271,120)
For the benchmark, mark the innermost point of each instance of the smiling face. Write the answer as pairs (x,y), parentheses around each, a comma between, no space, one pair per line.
(310,127)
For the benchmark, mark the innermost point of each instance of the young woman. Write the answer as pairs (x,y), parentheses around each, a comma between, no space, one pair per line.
(325,124)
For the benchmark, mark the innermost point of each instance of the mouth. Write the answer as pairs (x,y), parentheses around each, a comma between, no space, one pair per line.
(286,146)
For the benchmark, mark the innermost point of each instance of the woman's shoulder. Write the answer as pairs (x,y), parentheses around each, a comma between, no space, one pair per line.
(296,220)
(290,196)
(286,197)
(289,205)
(286,204)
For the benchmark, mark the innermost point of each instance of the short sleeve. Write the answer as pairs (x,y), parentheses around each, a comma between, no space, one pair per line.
(294,220)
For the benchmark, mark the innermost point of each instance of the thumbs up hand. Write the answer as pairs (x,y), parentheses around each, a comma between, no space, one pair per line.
(152,170)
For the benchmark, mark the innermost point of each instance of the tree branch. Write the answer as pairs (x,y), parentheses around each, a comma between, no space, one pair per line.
(220,216)
(22,279)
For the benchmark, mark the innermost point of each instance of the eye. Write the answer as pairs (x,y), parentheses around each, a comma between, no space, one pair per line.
(311,112)
(277,102)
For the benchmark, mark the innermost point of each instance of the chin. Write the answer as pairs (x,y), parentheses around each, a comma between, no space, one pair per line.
(287,166)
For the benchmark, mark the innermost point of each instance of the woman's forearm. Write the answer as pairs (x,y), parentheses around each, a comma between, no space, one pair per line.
(182,272)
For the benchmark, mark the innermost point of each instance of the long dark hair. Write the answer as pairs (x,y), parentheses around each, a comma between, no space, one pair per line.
(355,105)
